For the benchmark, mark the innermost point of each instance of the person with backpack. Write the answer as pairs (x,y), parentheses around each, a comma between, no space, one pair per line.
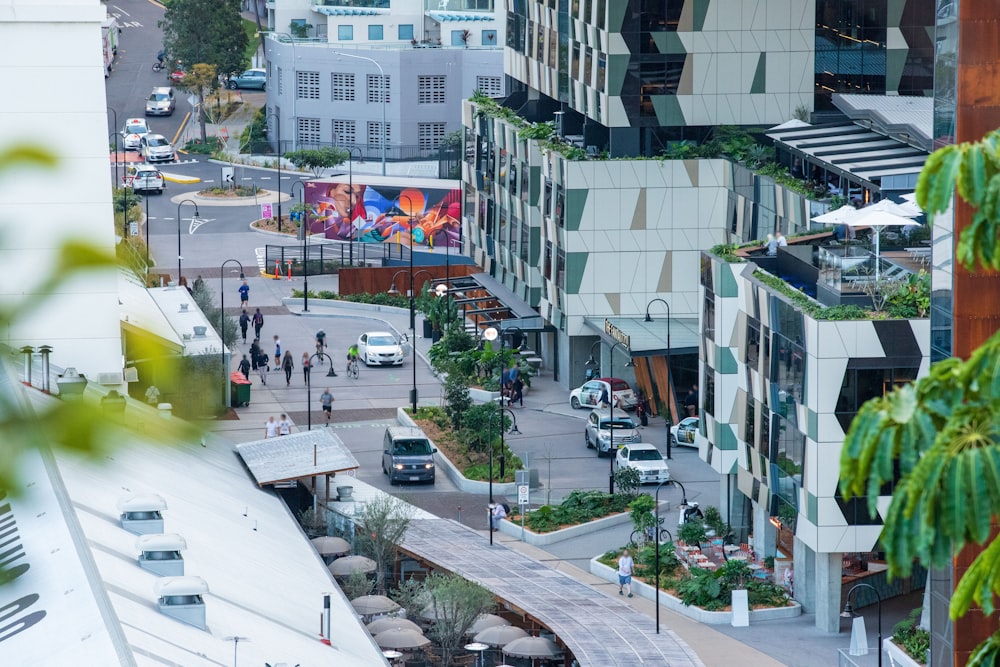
(258,323)
(244,323)
(255,353)
(245,367)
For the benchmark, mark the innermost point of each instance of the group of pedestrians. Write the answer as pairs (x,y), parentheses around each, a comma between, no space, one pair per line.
(273,429)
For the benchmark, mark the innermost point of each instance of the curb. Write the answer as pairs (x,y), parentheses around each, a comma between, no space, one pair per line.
(184,180)
(457,478)
(508,527)
(672,603)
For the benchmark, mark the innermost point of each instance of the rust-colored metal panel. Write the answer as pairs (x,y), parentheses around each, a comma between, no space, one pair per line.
(375,280)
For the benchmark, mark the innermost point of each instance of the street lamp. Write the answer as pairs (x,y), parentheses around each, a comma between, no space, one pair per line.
(196,215)
(385,95)
(413,303)
(656,539)
(117,138)
(668,416)
(611,408)
(330,374)
(305,243)
(849,613)
(503,428)
(222,320)
(277,135)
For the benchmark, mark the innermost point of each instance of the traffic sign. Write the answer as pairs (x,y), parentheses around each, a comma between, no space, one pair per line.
(265,211)
(133,228)
(522,494)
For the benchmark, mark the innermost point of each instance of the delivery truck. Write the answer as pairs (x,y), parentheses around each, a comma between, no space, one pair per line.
(109,38)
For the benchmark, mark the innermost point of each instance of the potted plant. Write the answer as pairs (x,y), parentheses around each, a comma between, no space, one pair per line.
(466,36)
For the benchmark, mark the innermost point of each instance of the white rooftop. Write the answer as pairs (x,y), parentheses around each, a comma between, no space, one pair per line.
(296,456)
(170,301)
(908,118)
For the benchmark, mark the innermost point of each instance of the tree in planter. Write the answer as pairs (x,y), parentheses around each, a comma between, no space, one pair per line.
(628,481)
(455,604)
(458,401)
(317,159)
(382,524)
(641,512)
(692,533)
(713,519)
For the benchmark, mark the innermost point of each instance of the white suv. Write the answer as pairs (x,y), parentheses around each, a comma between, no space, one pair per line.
(144,178)
(601,423)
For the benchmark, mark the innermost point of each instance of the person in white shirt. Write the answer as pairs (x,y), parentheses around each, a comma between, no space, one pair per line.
(625,564)
(497,513)
(284,426)
(271,428)
(781,240)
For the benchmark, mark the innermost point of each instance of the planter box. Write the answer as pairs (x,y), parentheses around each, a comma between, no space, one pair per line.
(897,656)
(508,527)
(454,474)
(697,613)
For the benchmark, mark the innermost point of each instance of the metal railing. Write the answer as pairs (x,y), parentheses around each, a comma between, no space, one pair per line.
(324,257)
(448,158)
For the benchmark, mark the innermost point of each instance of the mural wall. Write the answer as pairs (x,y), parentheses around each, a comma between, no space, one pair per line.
(384,213)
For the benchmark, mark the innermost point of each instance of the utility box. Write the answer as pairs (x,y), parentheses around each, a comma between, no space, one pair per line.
(161,554)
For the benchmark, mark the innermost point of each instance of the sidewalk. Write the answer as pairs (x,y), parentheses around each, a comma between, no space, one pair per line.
(794,642)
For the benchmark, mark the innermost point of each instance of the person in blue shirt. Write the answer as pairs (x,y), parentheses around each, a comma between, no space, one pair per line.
(244,294)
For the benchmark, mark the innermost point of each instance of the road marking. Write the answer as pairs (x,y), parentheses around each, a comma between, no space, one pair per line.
(121,10)
(184,121)
(265,178)
(198,222)
(260,252)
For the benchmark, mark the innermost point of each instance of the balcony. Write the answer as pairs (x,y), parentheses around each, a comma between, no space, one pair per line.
(458,6)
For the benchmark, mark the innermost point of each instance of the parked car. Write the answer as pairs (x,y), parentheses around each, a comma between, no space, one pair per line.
(252,78)
(133,132)
(407,455)
(156,148)
(380,348)
(589,395)
(602,423)
(144,178)
(682,433)
(161,102)
(645,458)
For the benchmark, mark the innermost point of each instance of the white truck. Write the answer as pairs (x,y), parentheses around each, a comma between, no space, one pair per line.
(109,40)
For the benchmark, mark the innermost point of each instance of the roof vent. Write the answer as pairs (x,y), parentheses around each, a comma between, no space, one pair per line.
(141,513)
(184,307)
(181,598)
(199,332)
(161,554)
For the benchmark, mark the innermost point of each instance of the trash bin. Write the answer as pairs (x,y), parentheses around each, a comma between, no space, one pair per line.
(239,390)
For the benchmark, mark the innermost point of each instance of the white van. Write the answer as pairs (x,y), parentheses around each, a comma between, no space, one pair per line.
(407,455)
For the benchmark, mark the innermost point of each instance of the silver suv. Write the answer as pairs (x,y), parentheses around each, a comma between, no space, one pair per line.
(161,102)
(601,423)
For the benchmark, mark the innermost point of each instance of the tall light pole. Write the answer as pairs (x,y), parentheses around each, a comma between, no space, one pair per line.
(503,427)
(146,225)
(413,303)
(668,416)
(611,409)
(330,374)
(196,215)
(277,134)
(350,196)
(849,613)
(117,138)
(305,243)
(385,95)
(222,323)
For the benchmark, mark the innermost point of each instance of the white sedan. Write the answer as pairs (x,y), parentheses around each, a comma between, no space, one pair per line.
(133,132)
(646,459)
(683,432)
(380,348)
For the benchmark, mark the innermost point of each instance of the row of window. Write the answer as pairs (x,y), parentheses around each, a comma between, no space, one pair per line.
(430,88)
(429,135)
(404,32)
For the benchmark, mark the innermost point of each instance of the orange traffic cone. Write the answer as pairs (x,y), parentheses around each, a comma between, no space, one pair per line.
(277,270)
(289,263)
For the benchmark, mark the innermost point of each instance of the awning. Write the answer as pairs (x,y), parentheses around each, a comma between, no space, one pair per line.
(851,151)
(648,339)
(442,17)
(349,11)
(518,312)
(296,456)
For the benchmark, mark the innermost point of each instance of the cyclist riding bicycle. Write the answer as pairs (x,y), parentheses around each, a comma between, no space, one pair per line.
(352,353)
(161,57)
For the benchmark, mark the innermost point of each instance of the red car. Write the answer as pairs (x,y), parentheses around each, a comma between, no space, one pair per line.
(177,76)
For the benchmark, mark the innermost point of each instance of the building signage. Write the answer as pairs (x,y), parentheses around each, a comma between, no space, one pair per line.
(617,334)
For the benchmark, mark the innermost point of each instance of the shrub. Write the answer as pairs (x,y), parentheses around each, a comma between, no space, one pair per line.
(458,400)
(912,639)
(577,507)
(627,481)
(713,519)
(692,532)
(641,512)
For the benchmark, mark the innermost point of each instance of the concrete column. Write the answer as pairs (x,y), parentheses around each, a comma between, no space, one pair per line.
(829,567)
(804,564)
(765,535)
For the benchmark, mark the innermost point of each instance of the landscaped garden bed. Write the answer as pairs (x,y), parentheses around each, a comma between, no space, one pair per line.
(468,446)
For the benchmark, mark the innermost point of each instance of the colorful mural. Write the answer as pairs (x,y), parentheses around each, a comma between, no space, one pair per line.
(381,213)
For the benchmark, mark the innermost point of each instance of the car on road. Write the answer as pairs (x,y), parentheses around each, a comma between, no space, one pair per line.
(133,132)
(156,148)
(380,348)
(682,433)
(603,424)
(161,102)
(589,394)
(144,178)
(645,458)
(252,78)
(407,455)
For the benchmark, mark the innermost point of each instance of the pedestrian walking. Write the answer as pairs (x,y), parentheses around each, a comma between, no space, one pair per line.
(255,353)
(262,370)
(271,427)
(517,395)
(497,513)
(326,400)
(691,400)
(642,410)
(245,367)
(277,351)
(625,565)
(258,323)
(284,426)
(305,367)
(199,283)
(287,365)
(244,294)
(244,323)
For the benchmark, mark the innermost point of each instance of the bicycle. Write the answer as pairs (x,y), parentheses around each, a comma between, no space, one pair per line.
(640,538)
(353,369)
(159,66)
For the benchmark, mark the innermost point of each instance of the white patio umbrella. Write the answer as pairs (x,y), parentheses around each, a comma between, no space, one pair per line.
(367,605)
(877,219)
(348,565)
(500,635)
(905,210)
(837,216)
(331,546)
(487,621)
(532,647)
(401,639)
(388,623)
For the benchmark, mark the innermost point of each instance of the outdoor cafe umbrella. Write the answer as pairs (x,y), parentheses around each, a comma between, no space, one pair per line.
(348,565)
(532,647)
(877,219)
(389,623)
(400,639)
(487,621)
(500,635)
(366,605)
(331,546)
(836,217)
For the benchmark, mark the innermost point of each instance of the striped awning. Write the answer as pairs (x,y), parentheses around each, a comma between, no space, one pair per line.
(442,17)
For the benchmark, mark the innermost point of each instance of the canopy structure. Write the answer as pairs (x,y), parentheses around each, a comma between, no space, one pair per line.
(297,456)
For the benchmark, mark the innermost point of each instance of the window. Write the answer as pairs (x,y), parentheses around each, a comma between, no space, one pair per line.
(344,132)
(491,86)
(429,135)
(307,130)
(489,37)
(406,31)
(375,33)
(375,133)
(281,87)
(342,87)
(430,89)
(376,88)
(459,38)
(345,33)
(307,85)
